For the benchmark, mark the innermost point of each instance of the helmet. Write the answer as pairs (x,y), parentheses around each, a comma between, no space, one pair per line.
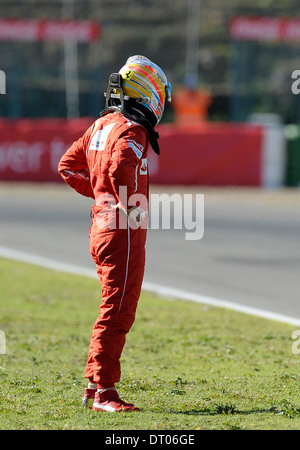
(145,82)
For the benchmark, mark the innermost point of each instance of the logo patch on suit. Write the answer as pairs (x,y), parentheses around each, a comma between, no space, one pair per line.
(100,137)
(144,167)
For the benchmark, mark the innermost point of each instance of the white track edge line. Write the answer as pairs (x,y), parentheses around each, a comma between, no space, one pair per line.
(164,291)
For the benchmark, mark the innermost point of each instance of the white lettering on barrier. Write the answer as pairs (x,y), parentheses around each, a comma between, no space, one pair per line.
(57,149)
(21,157)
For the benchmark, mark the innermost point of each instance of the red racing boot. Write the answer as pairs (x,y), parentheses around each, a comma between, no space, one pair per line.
(88,398)
(108,400)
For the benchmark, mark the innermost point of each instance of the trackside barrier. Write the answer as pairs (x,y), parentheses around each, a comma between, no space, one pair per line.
(215,154)
(292,134)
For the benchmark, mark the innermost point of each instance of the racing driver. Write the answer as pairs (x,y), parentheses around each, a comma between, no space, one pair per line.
(109,164)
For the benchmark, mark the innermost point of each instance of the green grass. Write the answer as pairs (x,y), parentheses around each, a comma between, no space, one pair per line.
(187,366)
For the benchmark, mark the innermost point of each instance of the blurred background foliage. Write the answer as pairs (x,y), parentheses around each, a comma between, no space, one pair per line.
(157,29)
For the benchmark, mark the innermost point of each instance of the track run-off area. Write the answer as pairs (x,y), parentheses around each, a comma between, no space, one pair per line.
(248,258)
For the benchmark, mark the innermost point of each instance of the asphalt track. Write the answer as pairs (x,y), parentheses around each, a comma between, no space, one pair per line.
(249,253)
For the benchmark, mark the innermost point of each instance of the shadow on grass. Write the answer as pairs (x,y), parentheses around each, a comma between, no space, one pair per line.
(224,410)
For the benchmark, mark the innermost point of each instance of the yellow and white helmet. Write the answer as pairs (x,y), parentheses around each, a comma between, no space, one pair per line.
(146,82)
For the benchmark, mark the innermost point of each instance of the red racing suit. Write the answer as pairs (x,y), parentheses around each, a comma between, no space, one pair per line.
(109,164)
